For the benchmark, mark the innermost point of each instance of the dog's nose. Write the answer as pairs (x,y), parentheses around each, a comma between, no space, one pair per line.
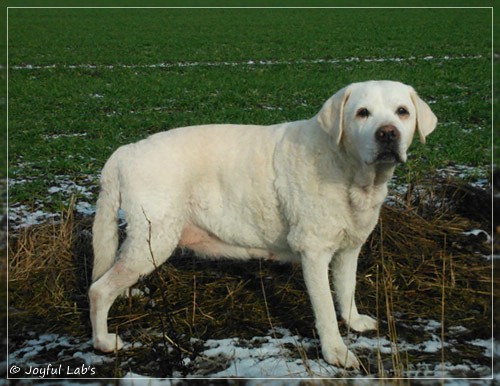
(387,134)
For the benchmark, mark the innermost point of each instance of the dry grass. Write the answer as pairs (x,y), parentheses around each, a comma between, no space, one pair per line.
(417,263)
(44,274)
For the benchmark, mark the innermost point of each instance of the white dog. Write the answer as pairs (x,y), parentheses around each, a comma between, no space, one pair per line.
(309,190)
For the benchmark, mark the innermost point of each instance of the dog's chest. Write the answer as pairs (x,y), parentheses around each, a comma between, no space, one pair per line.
(363,213)
(361,225)
(366,198)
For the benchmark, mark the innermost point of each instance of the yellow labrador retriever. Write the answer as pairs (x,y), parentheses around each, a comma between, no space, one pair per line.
(309,191)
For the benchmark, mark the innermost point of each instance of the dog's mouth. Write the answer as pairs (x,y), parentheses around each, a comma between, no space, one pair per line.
(388,156)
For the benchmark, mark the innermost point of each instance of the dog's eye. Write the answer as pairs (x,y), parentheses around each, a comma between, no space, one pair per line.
(402,112)
(363,113)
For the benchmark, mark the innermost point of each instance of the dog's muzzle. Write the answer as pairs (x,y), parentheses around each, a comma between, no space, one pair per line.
(387,138)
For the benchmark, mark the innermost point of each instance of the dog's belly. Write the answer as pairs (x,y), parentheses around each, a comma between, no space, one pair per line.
(207,244)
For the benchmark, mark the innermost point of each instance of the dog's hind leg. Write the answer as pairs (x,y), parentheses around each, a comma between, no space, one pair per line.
(142,252)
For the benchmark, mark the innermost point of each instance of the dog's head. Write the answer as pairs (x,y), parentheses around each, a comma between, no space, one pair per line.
(376,120)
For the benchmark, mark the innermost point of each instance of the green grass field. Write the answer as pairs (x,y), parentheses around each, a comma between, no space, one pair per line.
(83,81)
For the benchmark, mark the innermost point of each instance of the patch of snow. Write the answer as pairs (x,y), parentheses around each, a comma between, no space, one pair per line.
(33,347)
(66,186)
(477,232)
(487,344)
(69,135)
(90,358)
(429,325)
(457,329)
(63,188)
(23,216)
(477,177)
(249,62)
(431,346)
(271,108)
(269,358)
(85,208)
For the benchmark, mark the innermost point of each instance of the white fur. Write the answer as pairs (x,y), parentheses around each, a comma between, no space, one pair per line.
(308,191)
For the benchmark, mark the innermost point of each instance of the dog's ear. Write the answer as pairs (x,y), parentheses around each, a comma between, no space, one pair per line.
(426,120)
(331,115)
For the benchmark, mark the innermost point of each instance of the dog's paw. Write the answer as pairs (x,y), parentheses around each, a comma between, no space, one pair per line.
(125,294)
(362,323)
(108,343)
(340,356)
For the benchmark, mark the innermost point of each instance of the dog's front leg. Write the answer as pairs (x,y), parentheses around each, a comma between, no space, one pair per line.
(344,266)
(315,269)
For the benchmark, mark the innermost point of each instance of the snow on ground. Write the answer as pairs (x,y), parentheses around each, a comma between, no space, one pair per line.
(63,187)
(271,356)
(247,63)
(476,177)
(264,357)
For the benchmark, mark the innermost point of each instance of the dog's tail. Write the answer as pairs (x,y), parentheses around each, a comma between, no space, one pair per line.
(105,229)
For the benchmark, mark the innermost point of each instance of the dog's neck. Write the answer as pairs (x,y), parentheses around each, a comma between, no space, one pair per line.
(369,177)
(368,187)
(383,173)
